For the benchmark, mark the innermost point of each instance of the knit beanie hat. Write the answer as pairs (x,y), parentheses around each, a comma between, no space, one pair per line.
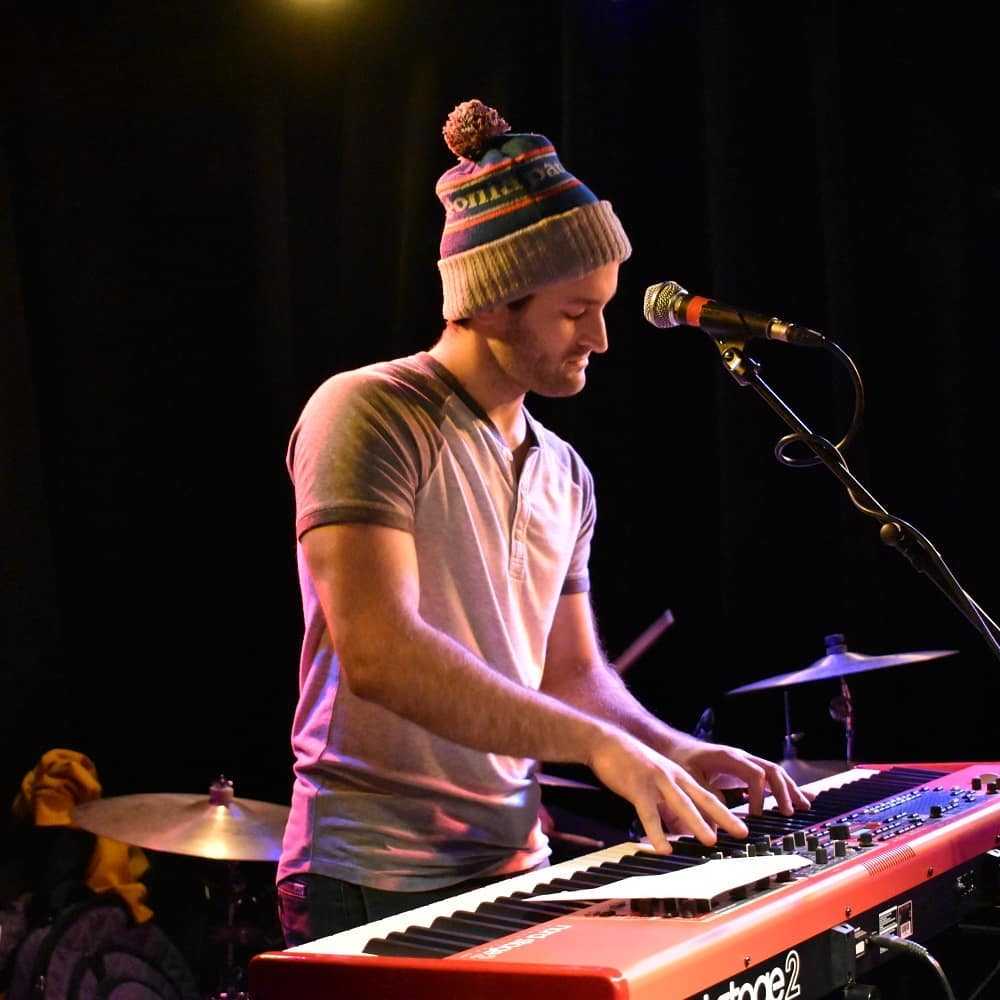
(515,218)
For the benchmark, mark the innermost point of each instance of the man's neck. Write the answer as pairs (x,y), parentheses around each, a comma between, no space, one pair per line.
(473,365)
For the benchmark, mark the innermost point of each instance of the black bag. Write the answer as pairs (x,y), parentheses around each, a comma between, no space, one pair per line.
(94,949)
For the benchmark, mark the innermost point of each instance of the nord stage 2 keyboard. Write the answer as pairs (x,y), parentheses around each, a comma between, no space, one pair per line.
(903,851)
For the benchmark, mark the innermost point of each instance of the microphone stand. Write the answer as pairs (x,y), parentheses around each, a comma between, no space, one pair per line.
(893,531)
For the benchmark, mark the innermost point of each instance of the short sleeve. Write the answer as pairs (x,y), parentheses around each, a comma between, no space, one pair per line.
(578,575)
(359,453)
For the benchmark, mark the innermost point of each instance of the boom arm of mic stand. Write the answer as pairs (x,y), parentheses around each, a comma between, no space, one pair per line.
(893,531)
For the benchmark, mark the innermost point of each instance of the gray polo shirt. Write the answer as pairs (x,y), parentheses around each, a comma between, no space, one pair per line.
(377,800)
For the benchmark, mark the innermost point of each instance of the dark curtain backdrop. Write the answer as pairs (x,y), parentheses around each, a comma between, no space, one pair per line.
(206,209)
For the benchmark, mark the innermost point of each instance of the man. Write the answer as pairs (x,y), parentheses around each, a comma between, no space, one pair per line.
(444,536)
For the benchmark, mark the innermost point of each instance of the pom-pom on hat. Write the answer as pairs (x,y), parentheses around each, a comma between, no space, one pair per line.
(515,218)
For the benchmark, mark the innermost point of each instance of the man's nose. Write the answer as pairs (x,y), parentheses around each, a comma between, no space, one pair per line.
(595,335)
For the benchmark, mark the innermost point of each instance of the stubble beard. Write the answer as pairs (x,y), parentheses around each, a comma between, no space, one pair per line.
(537,372)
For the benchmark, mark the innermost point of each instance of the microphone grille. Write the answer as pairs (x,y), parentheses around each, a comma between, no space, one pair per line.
(658,303)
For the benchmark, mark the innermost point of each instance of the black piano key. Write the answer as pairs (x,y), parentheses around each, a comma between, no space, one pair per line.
(584,880)
(511,912)
(562,907)
(688,847)
(919,774)
(397,945)
(490,920)
(628,867)
(540,911)
(476,933)
(651,864)
(602,875)
(560,885)
(489,929)
(442,938)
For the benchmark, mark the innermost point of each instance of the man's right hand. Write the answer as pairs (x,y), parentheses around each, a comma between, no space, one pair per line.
(658,787)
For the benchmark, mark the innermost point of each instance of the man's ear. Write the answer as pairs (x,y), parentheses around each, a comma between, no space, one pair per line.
(492,320)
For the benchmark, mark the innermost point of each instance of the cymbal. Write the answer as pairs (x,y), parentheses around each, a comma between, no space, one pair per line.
(840,665)
(242,830)
(555,781)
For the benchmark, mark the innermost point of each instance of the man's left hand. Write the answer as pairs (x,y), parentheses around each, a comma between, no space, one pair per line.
(711,763)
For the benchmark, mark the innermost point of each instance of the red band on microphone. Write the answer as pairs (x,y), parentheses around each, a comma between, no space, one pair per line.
(692,314)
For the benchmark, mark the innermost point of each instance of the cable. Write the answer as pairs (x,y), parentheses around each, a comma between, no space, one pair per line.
(986,982)
(917,951)
(859,409)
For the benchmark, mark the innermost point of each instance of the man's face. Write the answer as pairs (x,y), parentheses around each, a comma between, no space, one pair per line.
(544,346)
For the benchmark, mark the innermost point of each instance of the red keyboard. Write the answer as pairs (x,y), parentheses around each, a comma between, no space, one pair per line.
(904,850)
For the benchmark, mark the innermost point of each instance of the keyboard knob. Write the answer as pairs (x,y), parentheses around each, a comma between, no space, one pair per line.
(840,831)
(821,856)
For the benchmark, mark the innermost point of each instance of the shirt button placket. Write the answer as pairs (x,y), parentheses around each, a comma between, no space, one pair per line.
(518,546)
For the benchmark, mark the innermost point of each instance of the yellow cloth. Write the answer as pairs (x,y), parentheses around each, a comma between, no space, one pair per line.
(61,780)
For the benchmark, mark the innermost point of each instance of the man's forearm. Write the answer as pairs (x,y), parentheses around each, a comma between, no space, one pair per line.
(602,694)
(451,692)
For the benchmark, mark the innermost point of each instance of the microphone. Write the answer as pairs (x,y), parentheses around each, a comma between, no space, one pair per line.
(667,304)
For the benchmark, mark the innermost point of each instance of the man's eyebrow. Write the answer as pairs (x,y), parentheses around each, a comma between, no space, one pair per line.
(583,300)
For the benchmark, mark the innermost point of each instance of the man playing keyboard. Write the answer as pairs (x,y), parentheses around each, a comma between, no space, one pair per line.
(444,536)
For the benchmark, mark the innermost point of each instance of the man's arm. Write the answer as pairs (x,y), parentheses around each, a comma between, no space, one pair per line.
(576,673)
(367,580)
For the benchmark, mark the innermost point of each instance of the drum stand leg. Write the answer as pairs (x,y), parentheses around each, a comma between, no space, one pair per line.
(842,710)
(231,977)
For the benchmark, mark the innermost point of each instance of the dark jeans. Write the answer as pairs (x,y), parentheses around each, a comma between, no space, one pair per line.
(314,906)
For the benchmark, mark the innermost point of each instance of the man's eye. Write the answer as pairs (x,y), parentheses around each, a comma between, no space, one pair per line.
(574,315)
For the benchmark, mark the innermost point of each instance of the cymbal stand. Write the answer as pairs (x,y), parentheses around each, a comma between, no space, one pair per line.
(790,752)
(842,709)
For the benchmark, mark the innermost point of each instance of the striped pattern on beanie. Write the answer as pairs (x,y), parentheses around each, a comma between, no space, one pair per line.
(509,216)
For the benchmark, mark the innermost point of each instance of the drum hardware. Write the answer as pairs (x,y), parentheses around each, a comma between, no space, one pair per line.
(837,664)
(217,827)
